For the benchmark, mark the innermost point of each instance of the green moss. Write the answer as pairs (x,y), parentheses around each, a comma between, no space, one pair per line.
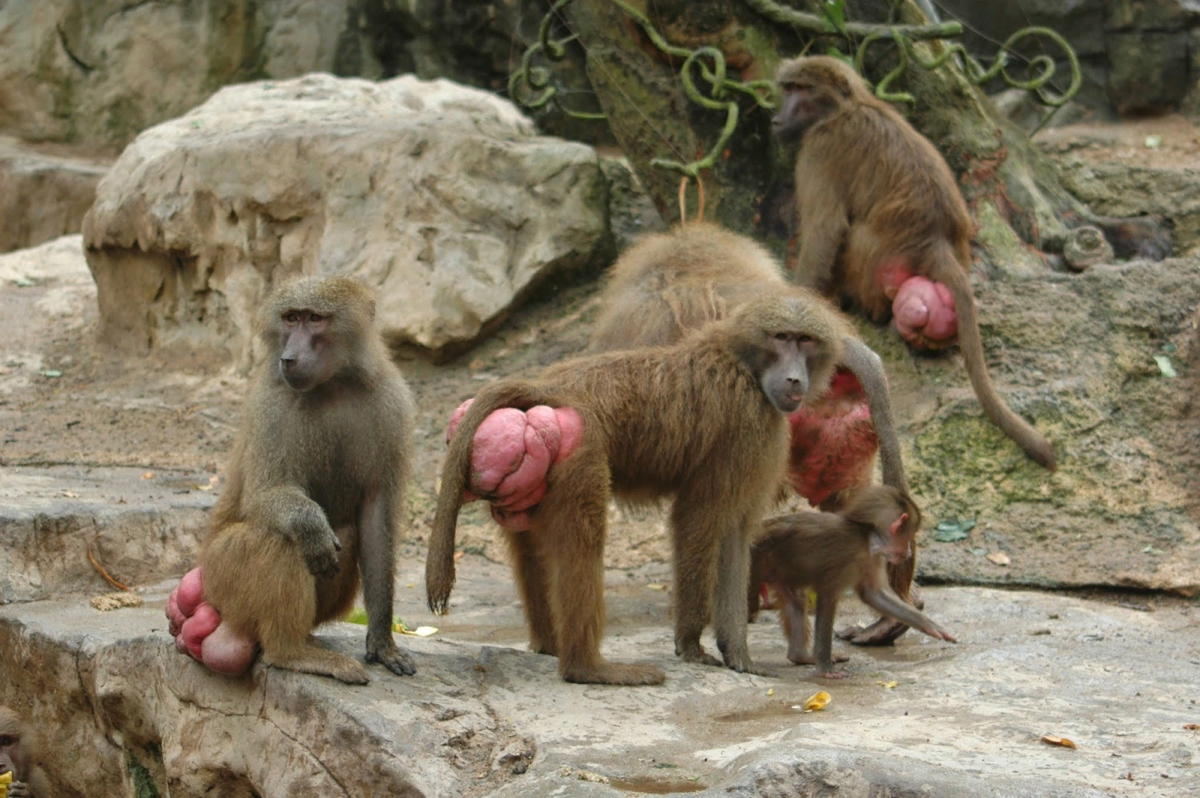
(143,782)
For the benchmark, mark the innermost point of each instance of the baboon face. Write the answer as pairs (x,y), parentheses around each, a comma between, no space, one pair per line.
(304,362)
(787,381)
(811,89)
(10,744)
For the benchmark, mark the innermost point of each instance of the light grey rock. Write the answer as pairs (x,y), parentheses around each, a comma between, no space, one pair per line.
(440,196)
(43,195)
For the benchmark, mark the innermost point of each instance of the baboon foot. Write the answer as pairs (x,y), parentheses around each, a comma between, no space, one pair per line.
(392,657)
(830,673)
(696,653)
(883,632)
(613,673)
(320,661)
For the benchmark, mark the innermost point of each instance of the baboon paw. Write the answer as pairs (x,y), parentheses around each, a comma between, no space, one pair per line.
(18,789)
(394,658)
(883,632)
(830,673)
(348,674)
(699,656)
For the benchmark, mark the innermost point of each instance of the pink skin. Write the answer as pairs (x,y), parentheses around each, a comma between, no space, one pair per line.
(512,452)
(833,441)
(922,310)
(196,626)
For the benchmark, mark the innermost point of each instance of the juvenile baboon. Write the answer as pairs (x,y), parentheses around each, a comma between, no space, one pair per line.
(701,422)
(313,493)
(830,552)
(878,206)
(19,756)
(669,284)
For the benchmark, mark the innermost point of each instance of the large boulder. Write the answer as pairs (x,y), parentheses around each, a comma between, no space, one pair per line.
(441,196)
(99,71)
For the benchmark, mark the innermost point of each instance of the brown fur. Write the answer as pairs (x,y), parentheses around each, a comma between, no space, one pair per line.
(830,552)
(314,489)
(19,755)
(669,284)
(701,422)
(871,189)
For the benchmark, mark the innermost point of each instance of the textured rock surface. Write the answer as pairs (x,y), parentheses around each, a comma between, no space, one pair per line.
(100,71)
(482,716)
(441,196)
(43,195)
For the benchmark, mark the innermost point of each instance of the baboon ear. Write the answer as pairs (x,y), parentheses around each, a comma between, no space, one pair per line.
(896,526)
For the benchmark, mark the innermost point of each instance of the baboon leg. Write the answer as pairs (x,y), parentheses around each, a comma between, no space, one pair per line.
(697,533)
(572,529)
(885,631)
(262,587)
(793,617)
(729,614)
(335,594)
(862,257)
(534,583)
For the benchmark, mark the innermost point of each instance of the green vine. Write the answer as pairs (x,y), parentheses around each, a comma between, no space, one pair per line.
(530,84)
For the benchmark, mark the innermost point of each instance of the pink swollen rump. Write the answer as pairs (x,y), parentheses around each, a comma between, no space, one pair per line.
(924,313)
(198,631)
(511,454)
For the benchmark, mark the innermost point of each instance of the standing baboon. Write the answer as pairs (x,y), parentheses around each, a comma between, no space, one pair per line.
(879,207)
(314,489)
(669,284)
(702,422)
(19,757)
(830,552)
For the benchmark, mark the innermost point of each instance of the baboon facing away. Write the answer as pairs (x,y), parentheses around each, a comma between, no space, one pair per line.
(19,757)
(668,285)
(313,492)
(701,422)
(830,552)
(878,207)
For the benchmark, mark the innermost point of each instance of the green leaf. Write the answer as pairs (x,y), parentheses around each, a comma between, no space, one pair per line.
(950,531)
(1164,366)
(51,373)
(834,12)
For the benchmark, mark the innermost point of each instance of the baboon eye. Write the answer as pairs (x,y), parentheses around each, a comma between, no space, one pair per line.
(781,336)
(7,742)
(316,317)
(291,317)
(804,339)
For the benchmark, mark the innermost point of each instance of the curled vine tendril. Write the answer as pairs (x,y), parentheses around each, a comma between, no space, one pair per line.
(530,84)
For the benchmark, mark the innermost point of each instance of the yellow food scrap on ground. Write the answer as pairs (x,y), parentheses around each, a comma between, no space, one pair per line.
(1063,741)
(420,631)
(770,691)
(888,685)
(999,557)
(817,701)
(115,601)
(655,586)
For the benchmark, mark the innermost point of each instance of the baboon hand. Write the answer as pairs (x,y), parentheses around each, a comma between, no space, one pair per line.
(389,655)
(19,789)
(318,542)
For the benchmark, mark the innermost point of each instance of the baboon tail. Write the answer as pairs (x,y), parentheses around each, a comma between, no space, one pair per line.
(970,342)
(439,562)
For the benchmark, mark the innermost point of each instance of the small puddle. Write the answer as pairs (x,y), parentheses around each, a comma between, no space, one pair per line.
(653,786)
(769,711)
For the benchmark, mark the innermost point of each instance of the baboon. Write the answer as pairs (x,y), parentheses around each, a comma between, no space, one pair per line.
(878,206)
(669,284)
(19,756)
(701,422)
(830,552)
(314,489)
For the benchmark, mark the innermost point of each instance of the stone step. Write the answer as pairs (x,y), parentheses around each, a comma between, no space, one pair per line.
(121,709)
(140,526)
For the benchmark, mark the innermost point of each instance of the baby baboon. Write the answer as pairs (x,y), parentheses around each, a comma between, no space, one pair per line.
(830,552)
(314,489)
(702,422)
(19,756)
(878,206)
(672,283)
